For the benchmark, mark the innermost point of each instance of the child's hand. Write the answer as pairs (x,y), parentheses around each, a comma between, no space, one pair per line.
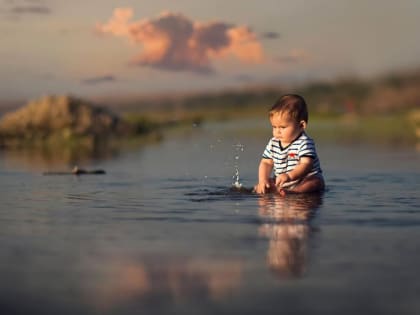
(281,179)
(262,187)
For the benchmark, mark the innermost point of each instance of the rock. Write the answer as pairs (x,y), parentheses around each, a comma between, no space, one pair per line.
(63,117)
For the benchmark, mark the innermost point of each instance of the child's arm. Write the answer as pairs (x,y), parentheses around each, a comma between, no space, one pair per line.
(264,172)
(301,170)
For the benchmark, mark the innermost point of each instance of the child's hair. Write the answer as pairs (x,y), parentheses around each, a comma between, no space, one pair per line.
(292,104)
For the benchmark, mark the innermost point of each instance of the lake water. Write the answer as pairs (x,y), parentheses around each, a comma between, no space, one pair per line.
(163,233)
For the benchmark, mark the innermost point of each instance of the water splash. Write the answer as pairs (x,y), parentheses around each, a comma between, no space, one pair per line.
(238,149)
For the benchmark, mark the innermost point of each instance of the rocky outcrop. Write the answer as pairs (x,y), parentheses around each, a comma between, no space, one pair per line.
(61,117)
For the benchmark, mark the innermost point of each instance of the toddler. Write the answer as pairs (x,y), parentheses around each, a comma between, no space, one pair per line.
(290,152)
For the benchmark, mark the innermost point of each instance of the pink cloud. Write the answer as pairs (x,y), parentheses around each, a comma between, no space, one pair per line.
(174,42)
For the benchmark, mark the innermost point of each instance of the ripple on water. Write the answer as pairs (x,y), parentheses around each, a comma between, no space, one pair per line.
(373,200)
(220,193)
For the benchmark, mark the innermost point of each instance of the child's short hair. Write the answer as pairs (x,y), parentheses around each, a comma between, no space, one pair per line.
(292,104)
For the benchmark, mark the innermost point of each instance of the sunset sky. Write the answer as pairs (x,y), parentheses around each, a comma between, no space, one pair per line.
(108,47)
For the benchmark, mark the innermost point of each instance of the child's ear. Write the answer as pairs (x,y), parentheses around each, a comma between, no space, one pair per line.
(302,124)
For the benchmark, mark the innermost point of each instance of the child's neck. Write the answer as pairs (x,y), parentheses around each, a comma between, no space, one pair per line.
(286,144)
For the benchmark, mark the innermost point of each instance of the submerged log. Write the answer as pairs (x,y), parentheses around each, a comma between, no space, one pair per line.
(78,171)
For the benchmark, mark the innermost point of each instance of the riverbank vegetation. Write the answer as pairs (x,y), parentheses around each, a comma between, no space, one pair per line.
(388,94)
(384,110)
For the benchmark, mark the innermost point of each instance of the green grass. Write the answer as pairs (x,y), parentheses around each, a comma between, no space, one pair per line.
(393,129)
(383,129)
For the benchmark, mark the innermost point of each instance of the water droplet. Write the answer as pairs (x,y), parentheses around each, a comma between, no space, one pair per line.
(238,148)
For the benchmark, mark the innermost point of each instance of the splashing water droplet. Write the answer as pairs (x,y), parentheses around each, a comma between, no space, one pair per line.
(238,148)
(236,184)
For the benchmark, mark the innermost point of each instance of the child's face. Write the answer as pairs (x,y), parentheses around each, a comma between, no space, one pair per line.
(285,128)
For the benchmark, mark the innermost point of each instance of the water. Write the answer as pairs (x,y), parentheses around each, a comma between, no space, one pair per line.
(164,232)
(238,148)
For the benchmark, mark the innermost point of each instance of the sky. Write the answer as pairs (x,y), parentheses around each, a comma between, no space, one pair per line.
(122,48)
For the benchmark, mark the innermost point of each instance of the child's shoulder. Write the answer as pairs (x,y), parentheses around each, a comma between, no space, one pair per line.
(304,136)
(304,139)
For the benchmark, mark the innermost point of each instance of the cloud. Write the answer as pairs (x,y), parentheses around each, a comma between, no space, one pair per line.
(294,56)
(99,80)
(270,35)
(24,7)
(174,42)
(30,9)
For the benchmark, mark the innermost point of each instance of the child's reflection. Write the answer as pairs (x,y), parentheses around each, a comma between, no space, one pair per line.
(286,225)
(169,280)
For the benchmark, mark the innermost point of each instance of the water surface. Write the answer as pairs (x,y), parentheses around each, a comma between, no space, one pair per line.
(163,232)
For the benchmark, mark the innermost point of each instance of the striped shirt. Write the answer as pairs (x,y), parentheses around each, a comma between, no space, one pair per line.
(286,159)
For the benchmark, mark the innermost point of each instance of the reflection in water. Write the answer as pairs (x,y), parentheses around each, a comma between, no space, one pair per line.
(165,281)
(64,157)
(287,228)
(52,158)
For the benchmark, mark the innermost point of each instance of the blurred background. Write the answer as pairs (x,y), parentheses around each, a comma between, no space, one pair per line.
(156,64)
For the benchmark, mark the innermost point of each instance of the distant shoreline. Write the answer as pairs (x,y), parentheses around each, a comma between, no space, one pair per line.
(385,94)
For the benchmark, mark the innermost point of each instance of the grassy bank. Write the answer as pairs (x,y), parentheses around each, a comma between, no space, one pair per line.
(352,110)
(379,111)
(388,129)
(395,130)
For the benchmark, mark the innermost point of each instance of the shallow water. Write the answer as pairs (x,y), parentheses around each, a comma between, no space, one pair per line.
(163,232)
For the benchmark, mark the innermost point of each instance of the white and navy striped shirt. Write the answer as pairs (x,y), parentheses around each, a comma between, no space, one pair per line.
(286,159)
